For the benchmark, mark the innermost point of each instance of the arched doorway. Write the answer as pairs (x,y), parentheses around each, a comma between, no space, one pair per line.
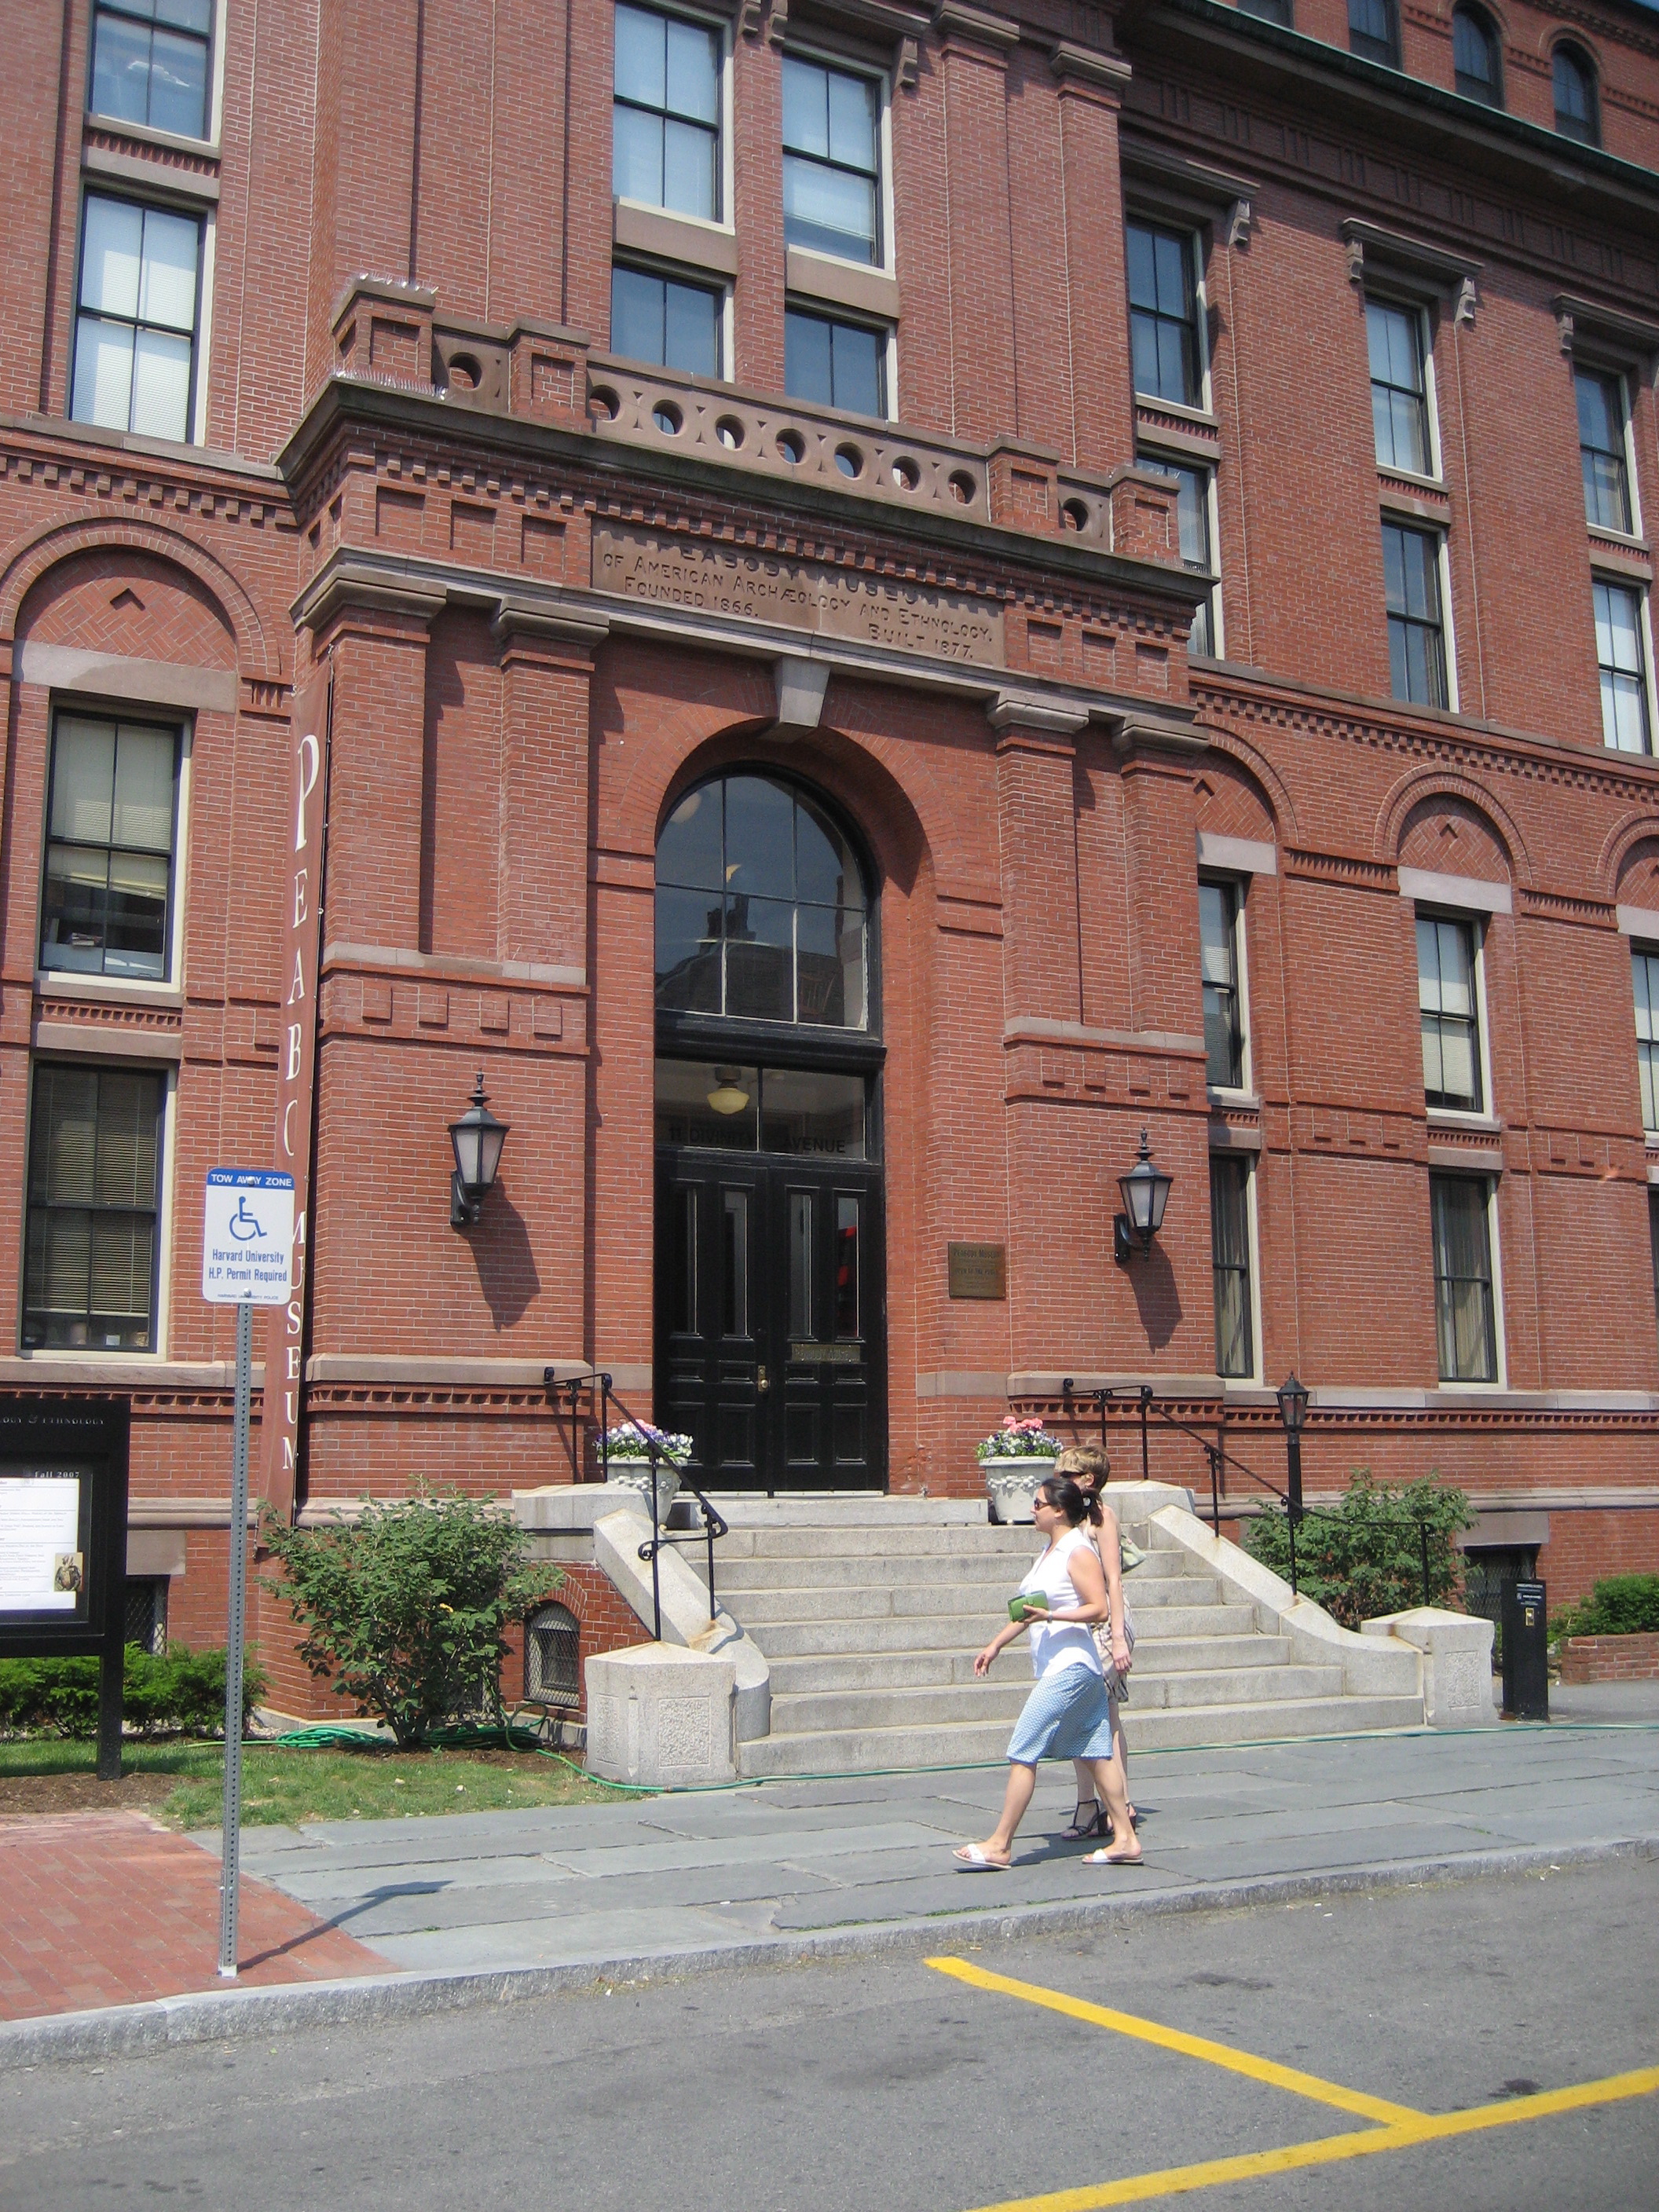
(770,1292)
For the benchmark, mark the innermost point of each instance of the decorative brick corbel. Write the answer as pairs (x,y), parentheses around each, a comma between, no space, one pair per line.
(1239,219)
(1019,711)
(748,18)
(1355,262)
(1106,72)
(1468,300)
(1564,327)
(956,19)
(777,21)
(907,63)
(1141,732)
(517,623)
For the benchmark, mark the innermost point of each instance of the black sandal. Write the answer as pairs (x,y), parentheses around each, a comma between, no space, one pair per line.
(1096,1823)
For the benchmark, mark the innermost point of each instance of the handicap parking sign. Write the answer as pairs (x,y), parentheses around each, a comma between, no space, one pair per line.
(247,1237)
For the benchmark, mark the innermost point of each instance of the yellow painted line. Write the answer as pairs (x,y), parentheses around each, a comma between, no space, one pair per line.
(1191,2046)
(1330,2150)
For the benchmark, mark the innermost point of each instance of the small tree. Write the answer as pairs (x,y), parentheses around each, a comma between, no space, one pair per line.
(1365,1557)
(405,1607)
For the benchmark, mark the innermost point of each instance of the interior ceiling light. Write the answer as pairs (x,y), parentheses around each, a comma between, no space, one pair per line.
(728,1095)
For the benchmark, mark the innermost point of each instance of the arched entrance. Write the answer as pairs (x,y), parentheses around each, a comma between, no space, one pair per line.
(770,1293)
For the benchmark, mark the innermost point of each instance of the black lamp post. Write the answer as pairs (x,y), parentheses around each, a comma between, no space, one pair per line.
(1293,1412)
(477,1137)
(1145,1194)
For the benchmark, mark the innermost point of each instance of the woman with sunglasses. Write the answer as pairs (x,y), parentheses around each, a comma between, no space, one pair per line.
(1068,1714)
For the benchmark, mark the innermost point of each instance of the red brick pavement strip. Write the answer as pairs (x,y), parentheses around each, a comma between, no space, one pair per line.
(113,1909)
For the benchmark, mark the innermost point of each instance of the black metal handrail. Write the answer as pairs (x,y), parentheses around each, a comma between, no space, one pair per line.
(1218,1455)
(714,1524)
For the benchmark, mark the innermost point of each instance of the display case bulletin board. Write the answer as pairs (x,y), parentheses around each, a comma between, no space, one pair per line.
(63,1542)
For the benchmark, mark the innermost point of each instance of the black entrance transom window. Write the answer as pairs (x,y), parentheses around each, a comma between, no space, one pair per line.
(815,1113)
(762,910)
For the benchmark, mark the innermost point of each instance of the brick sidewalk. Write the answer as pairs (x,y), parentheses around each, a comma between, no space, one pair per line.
(111,1908)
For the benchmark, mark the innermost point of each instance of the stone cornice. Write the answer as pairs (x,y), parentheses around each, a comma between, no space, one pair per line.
(1603,326)
(1244,45)
(124,454)
(1253,695)
(348,404)
(389,582)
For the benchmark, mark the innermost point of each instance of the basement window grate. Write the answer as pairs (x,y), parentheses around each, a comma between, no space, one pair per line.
(552,1658)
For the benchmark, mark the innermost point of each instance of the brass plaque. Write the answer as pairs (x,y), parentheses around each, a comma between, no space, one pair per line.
(977,1271)
(826,1355)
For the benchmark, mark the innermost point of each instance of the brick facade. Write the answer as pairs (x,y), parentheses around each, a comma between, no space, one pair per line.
(547,616)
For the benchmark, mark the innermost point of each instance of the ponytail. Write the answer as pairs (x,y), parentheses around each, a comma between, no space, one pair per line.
(1070,1499)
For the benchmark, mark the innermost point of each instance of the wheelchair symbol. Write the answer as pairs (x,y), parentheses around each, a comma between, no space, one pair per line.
(242,1225)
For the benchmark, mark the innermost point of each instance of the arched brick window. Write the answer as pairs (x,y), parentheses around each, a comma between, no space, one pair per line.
(1576,106)
(762,911)
(1475,55)
(552,1658)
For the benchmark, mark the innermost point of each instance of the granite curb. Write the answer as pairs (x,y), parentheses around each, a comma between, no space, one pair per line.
(218,2015)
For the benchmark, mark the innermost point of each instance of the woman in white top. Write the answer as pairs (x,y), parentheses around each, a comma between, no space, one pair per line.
(1068,1714)
(1089,1467)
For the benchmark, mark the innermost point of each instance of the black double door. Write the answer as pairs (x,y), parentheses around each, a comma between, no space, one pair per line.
(770,1319)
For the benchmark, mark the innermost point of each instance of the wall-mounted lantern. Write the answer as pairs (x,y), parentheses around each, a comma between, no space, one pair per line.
(1292,1395)
(477,1137)
(1145,1194)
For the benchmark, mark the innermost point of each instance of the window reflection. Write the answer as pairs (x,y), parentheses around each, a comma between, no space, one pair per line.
(722,1108)
(847,1266)
(761,913)
(800,1263)
(735,1271)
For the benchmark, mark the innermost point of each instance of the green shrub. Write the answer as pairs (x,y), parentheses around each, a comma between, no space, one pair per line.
(1364,1558)
(405,1607)
(1620,1605)
(174,1689)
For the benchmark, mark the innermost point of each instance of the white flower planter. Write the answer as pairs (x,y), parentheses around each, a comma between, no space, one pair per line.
(1011,1486)
(636,1474)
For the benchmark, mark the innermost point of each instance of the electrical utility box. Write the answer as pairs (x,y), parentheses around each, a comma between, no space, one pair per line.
(1525,1664)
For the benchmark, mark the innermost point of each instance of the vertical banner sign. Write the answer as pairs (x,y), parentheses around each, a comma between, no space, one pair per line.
(296,1078)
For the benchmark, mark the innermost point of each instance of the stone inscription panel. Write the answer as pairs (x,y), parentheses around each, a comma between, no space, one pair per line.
(798,595)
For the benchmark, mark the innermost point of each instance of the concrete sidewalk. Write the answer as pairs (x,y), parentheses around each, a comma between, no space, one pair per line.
(766,1863)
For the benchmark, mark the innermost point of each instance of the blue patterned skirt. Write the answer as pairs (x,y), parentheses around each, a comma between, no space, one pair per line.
(1067,1716)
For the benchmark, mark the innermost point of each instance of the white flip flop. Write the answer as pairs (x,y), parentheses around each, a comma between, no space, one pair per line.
(971,1859)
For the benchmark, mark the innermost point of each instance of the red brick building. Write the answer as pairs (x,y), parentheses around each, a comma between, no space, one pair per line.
(1071,570)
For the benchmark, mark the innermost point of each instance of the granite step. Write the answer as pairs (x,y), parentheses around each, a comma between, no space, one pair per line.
(900,1543)
(1266,1659)
(850,1570)
(884,1704)
(869,1750)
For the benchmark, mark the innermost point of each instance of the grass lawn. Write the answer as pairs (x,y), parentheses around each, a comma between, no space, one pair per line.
(182,1782)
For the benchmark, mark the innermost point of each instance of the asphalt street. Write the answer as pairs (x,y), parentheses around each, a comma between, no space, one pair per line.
(890,2083)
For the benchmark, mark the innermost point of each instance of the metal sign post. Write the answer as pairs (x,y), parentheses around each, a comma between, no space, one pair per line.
(231,1824)
(247,1244)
